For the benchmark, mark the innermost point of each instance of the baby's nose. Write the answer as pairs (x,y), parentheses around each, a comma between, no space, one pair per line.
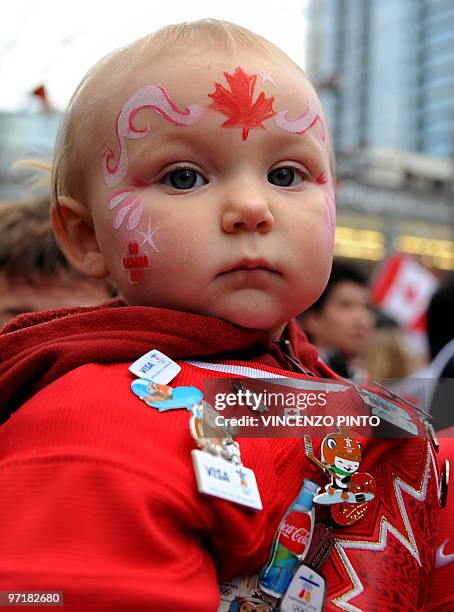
(247,213)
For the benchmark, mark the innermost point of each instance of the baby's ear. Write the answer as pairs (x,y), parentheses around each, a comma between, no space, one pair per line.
(73,227)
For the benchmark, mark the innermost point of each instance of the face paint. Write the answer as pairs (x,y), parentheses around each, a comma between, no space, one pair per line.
(329,198)
(135,262)
(148,236)
(128,205)
(156,98)
(331,206)
(321,178)
(237,103)
(302,123)
(266,76)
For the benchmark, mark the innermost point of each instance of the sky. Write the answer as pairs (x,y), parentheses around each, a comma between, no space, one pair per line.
(55,42)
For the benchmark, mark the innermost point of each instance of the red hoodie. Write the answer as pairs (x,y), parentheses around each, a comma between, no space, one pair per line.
(98,495)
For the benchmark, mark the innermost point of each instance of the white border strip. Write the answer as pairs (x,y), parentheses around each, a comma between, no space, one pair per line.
(285,381)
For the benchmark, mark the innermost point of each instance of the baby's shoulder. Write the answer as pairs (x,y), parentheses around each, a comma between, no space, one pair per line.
(92,409)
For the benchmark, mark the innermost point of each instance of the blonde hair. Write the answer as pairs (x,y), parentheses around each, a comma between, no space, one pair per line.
(85,110)
(388,357)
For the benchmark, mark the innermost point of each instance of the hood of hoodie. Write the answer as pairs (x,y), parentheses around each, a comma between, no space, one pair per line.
(37,348)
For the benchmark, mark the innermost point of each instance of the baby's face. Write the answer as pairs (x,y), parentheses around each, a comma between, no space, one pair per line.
(216,195)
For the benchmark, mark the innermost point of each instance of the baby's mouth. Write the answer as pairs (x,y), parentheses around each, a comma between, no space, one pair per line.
(249,265)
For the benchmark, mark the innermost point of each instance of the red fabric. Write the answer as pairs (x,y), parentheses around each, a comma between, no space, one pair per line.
(98,495)
(38,348)
(444,570)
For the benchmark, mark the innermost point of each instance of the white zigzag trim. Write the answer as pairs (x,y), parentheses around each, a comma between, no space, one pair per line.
(385,528)
(342,601)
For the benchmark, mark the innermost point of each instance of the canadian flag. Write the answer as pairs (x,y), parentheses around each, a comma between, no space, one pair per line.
(402,288)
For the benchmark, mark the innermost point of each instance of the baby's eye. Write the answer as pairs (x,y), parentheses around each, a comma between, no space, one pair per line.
(184,178)
(286,176)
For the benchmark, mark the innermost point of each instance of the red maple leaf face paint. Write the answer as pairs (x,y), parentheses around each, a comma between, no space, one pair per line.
(237,104)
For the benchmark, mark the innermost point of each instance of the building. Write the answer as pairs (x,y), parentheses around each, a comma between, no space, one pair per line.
(24,136)
(385,73)
(391,200)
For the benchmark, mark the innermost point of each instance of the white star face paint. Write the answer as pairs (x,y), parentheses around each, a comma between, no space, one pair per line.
(156,98)
(148,236)
(266,76)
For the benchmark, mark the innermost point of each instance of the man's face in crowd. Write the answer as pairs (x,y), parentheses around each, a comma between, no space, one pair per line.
(345,321)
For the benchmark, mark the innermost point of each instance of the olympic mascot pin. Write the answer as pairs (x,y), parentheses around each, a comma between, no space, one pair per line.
(349,490)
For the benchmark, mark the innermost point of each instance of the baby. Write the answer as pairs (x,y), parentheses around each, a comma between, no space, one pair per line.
(194,168)
(206,146)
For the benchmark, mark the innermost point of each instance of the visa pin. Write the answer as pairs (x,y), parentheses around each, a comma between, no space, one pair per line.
(155,366)
(217,462)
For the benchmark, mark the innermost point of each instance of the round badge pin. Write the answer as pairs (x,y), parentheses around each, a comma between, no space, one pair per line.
(348,514)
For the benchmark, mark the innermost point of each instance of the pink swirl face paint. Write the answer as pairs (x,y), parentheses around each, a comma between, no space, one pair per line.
(126,204)
(304,122)
(310,118)
(156,98)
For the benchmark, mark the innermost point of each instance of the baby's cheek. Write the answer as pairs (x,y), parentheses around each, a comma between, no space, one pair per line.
(325,183)
(133,237)
(329,215)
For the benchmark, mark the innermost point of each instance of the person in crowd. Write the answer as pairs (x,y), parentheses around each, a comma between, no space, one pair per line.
(433,385)
(34,273)
(340,323)
(195,168)
(388,358)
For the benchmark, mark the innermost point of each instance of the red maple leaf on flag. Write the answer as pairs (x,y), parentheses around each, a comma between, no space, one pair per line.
(237,103)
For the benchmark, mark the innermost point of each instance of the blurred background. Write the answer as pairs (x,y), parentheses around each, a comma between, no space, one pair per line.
(385,73)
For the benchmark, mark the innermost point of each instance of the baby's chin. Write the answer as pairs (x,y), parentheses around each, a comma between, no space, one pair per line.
(254,322)
(265,317)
